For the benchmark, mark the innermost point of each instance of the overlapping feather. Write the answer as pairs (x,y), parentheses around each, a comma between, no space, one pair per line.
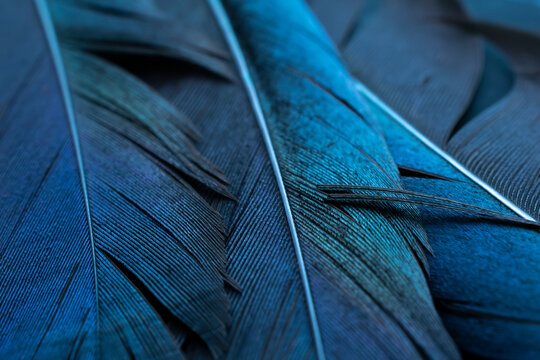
(309,108)
(483,271)
(461,86)
(122,240)
(96,261)
(364,266)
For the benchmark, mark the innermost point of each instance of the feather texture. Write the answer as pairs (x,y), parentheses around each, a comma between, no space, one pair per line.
(501,143)
(483,272)
(458,85)
(143,29)
(340,246)
(203,180)
(353,284)
(95,260)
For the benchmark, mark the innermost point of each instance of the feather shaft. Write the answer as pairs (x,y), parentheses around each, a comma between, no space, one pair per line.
(95,260)
(346,194)
(355,258)
(433,147)
(52,42)
(236,50)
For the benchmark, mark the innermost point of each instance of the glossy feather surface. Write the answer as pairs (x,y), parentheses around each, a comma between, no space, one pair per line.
(484,273)
(204,180)
(273,326)
(460,86)
(145,28)
(88,224)
(340,249)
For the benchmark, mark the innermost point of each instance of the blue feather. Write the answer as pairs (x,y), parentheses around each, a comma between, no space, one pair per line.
(484,274)
(467,87)
(95,259)
(483,270)
(284,82)
(142,28)
(365,266)
(204,180)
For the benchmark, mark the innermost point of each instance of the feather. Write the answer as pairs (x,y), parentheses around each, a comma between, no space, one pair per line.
(121,239)
(521,14)
(308,106)
(513,121)
(143,29)
(95,260)
(380,106)
(400,50)
(451,83)
(343,280)
(484,273)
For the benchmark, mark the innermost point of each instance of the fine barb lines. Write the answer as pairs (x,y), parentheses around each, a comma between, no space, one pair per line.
(407,126)
(236,50)
(231,179)
(348,194)
(62,79)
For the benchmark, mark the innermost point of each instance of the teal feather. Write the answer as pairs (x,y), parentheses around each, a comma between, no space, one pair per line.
(201,179)
(95,260)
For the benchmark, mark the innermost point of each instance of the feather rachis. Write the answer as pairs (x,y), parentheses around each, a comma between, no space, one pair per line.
(490,293)
(268,94)
(135,287)
(442,96)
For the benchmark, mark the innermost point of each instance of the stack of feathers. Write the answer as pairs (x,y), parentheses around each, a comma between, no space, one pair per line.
(231,179)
